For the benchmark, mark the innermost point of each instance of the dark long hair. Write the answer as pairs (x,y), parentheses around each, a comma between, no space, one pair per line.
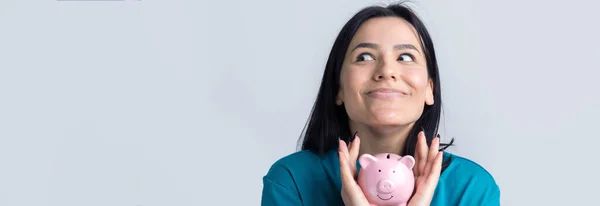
(328,121)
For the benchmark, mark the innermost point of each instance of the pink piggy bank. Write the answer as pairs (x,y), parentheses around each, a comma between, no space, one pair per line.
(386,179)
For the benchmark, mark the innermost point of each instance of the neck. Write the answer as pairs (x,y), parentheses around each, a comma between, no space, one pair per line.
(381,140)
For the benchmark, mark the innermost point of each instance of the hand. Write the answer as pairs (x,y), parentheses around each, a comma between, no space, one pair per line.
(352,195)
(427,170)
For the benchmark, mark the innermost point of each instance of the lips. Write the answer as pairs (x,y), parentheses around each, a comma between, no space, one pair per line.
(386,90)
(386,93)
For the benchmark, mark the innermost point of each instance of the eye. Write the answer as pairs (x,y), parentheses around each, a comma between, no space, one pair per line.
(364,57)
(379,170)
(406,57)
(394,171)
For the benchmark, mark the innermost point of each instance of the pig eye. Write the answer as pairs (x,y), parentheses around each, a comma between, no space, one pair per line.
(394,171)
(379,170)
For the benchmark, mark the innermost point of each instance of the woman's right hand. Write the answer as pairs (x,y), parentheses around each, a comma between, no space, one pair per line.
(352,195)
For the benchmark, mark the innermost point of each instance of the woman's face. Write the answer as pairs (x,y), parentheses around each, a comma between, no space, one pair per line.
(384,80)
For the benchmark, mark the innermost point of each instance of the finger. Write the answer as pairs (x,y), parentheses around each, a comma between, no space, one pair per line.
(354,149)
(433,150)
(344,174)
(434,176)
(420,154)
(344,169)
(350,164)
(425,191)
(343,162)
(343,148)
(351,193)
(349,149)
(349,185)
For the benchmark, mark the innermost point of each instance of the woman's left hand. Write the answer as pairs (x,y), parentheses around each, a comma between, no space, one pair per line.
(427,170)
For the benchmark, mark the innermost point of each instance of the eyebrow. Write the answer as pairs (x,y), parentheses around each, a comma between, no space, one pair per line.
(375,46)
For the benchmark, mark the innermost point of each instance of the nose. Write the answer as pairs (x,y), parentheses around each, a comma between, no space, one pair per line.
(385,186)
(384,77)
(387,71)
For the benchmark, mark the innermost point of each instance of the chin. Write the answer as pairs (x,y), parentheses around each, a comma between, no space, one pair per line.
(393,116)
(387,125)
(388,122)
(389,118)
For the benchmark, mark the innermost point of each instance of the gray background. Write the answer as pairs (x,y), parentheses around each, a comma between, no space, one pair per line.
(189,102)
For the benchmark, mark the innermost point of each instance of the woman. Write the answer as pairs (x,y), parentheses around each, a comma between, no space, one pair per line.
(380,93)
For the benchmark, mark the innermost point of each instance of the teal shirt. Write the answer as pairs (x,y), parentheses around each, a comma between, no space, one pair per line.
(305,178)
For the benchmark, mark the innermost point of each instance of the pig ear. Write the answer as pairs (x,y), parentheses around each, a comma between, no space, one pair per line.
(366,159)
(408,160)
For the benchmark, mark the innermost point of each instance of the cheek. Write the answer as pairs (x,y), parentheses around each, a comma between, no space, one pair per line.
(417,79)
(352,79)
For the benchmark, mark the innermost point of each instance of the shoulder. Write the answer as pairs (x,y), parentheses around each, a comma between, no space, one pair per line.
(466,182)
(466,168)
(286,170)
(293,161)
(301,178)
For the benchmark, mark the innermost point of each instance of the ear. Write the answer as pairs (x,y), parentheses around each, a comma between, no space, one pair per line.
(339,98)
(366,159)
(429,93)
(408,160)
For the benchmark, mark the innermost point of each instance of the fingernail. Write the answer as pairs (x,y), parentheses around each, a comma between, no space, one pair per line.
(351,139)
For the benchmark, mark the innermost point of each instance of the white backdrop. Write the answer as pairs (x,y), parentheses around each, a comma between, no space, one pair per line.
(157,103)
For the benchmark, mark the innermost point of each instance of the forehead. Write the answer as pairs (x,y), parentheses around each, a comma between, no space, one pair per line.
(386,31)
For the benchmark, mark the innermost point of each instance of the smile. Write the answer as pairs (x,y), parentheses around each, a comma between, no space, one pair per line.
(385,198)
(385,95)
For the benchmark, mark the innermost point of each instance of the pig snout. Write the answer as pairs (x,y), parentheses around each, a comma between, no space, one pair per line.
(385,186)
